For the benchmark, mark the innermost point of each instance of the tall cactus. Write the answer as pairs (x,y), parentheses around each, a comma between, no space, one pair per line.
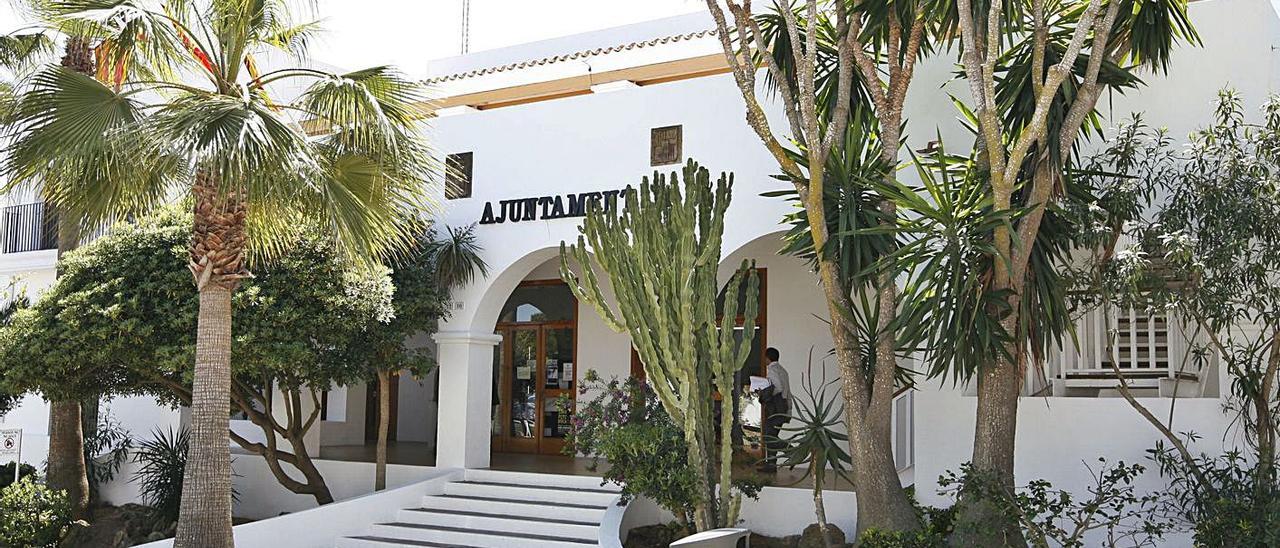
(661,252)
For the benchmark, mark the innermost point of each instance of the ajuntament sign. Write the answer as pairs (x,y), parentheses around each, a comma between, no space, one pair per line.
(548,207)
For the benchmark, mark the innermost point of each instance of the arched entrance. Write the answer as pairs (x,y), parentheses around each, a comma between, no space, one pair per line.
(534,368)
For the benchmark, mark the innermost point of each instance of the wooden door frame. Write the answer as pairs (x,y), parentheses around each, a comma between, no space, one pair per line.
(504,441)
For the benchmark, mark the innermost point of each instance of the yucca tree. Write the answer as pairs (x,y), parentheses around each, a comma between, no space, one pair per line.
(1036,71)
(345,151)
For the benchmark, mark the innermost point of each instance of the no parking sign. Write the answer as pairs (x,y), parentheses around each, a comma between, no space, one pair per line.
(11,449)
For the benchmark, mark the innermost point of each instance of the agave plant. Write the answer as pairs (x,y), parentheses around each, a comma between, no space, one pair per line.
(813,441)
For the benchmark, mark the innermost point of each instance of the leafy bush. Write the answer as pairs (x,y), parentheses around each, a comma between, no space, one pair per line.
(1055,517)
(626,425)
(164,460)
(936,526)
(1226,501)
(106,449)
(32,515)
(6,473)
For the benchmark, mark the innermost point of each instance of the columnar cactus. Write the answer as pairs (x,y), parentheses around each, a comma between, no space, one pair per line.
(661,252)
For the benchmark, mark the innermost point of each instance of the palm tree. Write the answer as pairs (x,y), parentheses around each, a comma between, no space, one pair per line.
(19,52)
(345,152)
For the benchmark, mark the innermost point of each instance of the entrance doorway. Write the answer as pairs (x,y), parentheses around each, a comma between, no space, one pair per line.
(535,368)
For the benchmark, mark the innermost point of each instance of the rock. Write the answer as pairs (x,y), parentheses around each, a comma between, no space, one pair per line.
(812,537)
(77,534)
(652,536)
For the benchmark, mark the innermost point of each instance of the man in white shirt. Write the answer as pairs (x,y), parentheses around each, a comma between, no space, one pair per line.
(776,400)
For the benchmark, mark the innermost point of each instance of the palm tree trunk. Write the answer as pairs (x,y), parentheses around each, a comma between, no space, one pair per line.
(384,425)
(204,518)
(67,469)
(217,262)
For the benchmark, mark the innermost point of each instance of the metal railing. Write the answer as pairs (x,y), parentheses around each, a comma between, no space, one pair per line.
(28,227)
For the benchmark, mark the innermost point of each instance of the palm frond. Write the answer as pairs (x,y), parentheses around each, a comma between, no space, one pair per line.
(22,51)
(80,141)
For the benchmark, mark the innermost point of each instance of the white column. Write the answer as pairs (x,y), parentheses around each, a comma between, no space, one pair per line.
(466,398)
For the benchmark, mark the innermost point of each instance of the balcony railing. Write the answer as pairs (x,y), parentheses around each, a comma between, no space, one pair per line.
(1150,350)
(28,227)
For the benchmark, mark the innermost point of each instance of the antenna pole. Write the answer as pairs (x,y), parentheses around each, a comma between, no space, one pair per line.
(466,26)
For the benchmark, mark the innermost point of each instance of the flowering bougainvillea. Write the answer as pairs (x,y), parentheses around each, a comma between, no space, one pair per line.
(643,451)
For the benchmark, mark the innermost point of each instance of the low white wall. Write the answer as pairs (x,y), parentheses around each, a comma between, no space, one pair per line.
(778,512)
(1060,438)
(783,511)
(319,527)
(260,496)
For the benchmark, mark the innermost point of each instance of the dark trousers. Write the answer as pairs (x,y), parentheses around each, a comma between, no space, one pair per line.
(773,444)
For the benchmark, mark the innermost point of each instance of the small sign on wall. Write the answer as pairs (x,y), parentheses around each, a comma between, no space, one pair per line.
(11,449)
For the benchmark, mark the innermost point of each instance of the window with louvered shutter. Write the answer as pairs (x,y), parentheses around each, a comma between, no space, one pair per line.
(457,176)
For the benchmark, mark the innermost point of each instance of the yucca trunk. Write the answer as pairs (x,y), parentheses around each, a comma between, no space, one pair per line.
(217,262)
(67,470)
(384,426)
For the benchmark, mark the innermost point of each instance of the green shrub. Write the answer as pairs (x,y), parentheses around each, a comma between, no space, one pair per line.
(106,448)
(32,515)
(6,473)
(1049,516)
(164,461)
(1227,501)
(936,525)
(625,425)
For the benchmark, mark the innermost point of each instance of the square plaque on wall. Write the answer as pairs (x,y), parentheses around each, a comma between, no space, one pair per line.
(665,145)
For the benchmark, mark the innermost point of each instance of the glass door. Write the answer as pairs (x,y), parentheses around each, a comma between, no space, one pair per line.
(535,368)
(521,405)
(558,374)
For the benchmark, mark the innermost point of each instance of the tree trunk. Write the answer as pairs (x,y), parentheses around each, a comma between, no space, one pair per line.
(204,518)
(820,510)
(384,425)
(217,263)
(979,523)
(315,485)
(67,469)
(883,503)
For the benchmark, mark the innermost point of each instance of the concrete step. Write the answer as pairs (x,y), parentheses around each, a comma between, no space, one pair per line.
(473,537)
(549,480)
(488,521)
(538,493)
(384,542)
(519,508)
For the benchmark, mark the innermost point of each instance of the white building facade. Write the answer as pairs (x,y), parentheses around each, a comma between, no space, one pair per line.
(540,126)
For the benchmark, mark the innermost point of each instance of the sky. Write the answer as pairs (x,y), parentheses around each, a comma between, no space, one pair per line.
(409,33)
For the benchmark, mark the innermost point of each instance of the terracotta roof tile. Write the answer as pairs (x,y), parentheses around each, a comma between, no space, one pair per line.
(572,56)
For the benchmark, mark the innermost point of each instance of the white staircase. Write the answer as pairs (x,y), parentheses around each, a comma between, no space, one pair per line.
(495,509)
